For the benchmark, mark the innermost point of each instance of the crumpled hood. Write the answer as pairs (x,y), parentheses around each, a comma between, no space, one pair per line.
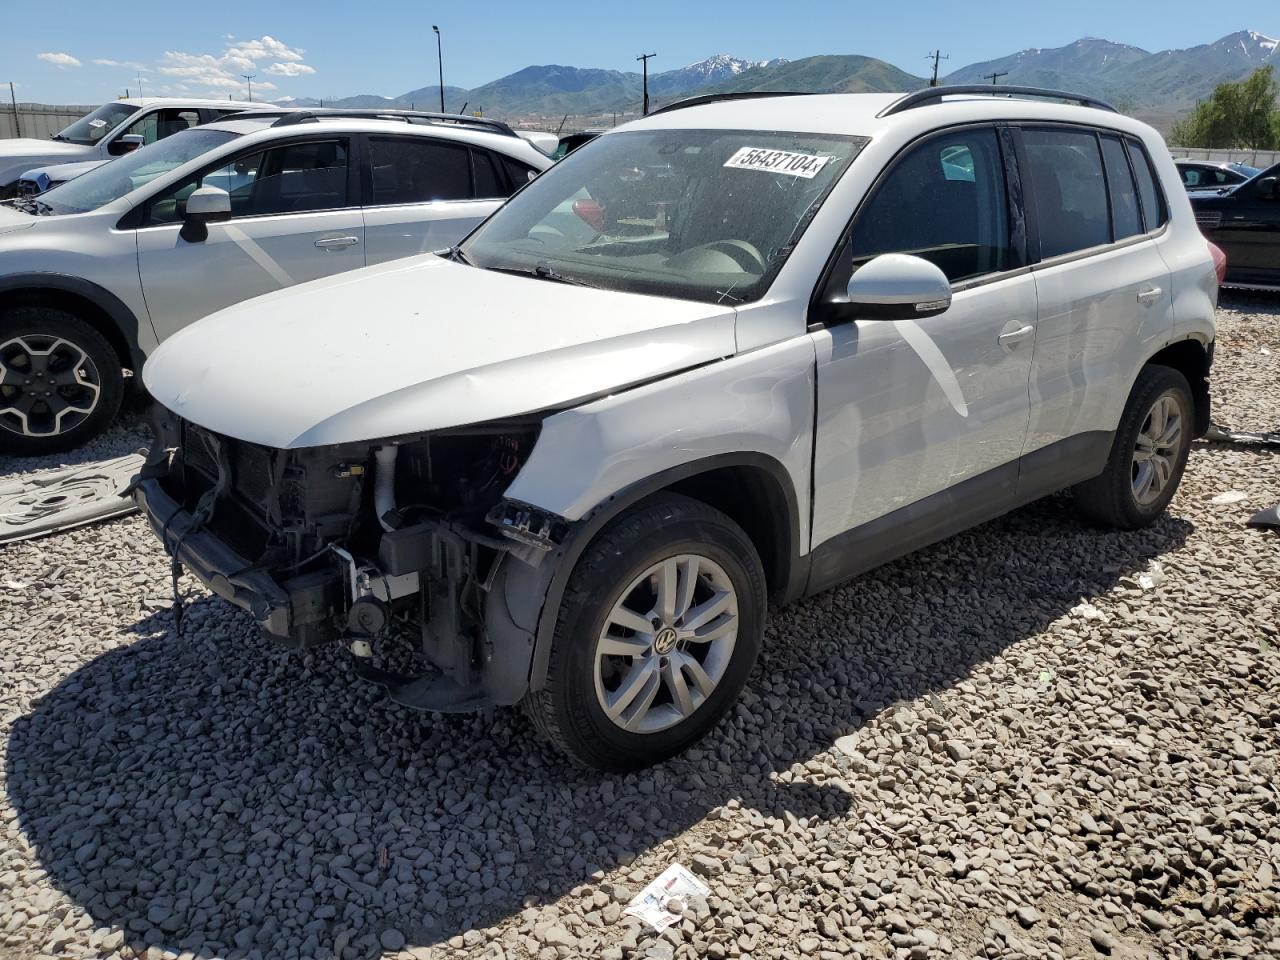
(30,147)
(420,344)
(19,156)
(64,171)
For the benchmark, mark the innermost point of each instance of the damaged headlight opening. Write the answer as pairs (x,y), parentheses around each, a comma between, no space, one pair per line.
(362,543)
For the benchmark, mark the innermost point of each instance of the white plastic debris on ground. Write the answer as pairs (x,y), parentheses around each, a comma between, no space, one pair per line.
(674,884)
(1230,496)
(1088,611)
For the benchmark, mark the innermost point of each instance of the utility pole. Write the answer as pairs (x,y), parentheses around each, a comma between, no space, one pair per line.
(644,60)
(935,57)
(249,78)
(139,84)
(440,64)
(993,77)
(17,125)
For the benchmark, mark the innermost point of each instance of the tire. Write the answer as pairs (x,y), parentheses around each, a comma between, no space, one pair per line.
(570,709)
(84,375)
(1120,496)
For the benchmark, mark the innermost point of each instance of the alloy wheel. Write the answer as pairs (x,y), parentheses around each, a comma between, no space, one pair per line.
(1155,453)
(666,643)
(48,385)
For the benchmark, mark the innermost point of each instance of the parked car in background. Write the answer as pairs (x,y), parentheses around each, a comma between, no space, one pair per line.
(112,130)
(1244,220)
(573,141)
(789,338)
(96,272)
(1207,174)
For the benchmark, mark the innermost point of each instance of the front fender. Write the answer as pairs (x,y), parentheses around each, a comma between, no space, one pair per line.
(591,463)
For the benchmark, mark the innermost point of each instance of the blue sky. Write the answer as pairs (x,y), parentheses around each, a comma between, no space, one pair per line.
(86,52)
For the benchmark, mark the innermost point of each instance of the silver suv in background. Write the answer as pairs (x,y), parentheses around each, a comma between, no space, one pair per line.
(114,129)
(719,358)
(96,272)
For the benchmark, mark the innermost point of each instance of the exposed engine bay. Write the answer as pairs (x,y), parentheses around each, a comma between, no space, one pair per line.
(366,543)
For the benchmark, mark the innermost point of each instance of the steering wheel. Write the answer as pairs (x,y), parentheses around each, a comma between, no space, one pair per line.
(746,255)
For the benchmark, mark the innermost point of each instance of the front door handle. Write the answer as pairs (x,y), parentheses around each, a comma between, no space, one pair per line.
(1149,293)
(1011,338)
(329,243)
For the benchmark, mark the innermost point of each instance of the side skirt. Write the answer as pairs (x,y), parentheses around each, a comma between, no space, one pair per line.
(956,509)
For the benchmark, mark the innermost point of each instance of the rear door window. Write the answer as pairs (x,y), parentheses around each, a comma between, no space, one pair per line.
(418,170)
(1126,217)
(1069,189)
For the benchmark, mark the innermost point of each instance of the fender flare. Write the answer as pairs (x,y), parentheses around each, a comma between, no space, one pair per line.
(124,319)
(540,590)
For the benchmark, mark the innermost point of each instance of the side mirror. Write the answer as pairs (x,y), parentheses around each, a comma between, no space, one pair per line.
(205,205)
(896,286)
(126,144)
(1266,187)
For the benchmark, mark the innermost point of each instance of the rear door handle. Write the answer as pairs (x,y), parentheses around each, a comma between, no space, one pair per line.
(1149,293)
(1014,337)
(328,243)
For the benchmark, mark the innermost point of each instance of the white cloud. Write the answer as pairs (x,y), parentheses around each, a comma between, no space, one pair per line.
(59,59)
(290,69)
(224,72)
(128,64)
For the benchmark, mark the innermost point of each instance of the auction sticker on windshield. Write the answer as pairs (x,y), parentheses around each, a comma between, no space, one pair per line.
(805,165)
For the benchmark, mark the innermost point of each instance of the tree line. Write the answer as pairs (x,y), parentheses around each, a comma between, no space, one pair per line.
(1241,115)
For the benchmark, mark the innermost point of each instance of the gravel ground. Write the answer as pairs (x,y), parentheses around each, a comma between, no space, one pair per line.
(1034,739)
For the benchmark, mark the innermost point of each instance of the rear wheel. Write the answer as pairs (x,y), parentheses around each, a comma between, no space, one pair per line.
(1148,454)
(60,381)
(659,627)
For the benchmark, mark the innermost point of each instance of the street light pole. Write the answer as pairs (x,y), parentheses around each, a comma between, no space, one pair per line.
(644,60)
(249,77)
(440,63)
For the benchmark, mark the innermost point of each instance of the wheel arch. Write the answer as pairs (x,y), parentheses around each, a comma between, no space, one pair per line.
(1193,360)
(752,489)
(96,306)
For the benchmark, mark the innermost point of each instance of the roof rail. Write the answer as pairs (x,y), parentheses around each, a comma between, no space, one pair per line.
(408,116)
(934,94)
(720,97)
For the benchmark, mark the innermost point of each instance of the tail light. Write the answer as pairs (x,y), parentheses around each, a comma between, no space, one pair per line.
(1219,262)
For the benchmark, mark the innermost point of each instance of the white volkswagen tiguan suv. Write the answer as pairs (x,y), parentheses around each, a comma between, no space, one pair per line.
(724,356)
(96,272)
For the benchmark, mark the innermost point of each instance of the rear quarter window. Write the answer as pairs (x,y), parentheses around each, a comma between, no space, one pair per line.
(1069,188)
(1155,212)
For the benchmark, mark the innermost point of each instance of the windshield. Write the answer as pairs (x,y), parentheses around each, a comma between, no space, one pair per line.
(114,179)
(90,129)
(705,215)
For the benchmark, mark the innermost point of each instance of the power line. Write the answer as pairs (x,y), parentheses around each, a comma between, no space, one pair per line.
(993,77)
(644,59)
(935,57)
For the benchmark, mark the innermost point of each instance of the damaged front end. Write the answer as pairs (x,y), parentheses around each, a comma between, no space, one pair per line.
(369,543)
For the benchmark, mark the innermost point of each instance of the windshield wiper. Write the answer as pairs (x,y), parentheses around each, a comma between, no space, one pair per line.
(543,272)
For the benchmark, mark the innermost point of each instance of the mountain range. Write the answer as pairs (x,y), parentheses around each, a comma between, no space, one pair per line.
(1154,86)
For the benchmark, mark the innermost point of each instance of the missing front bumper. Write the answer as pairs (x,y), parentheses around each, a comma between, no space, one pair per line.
(299,611)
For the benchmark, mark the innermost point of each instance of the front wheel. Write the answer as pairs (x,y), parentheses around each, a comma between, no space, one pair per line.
(1148,454)
(659,627)
(60,381)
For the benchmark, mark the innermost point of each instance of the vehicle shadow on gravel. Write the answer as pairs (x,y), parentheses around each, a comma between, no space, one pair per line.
(212,794)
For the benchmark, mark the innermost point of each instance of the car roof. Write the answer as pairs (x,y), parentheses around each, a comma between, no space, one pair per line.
(264,128)
(194,102)
(864,114)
